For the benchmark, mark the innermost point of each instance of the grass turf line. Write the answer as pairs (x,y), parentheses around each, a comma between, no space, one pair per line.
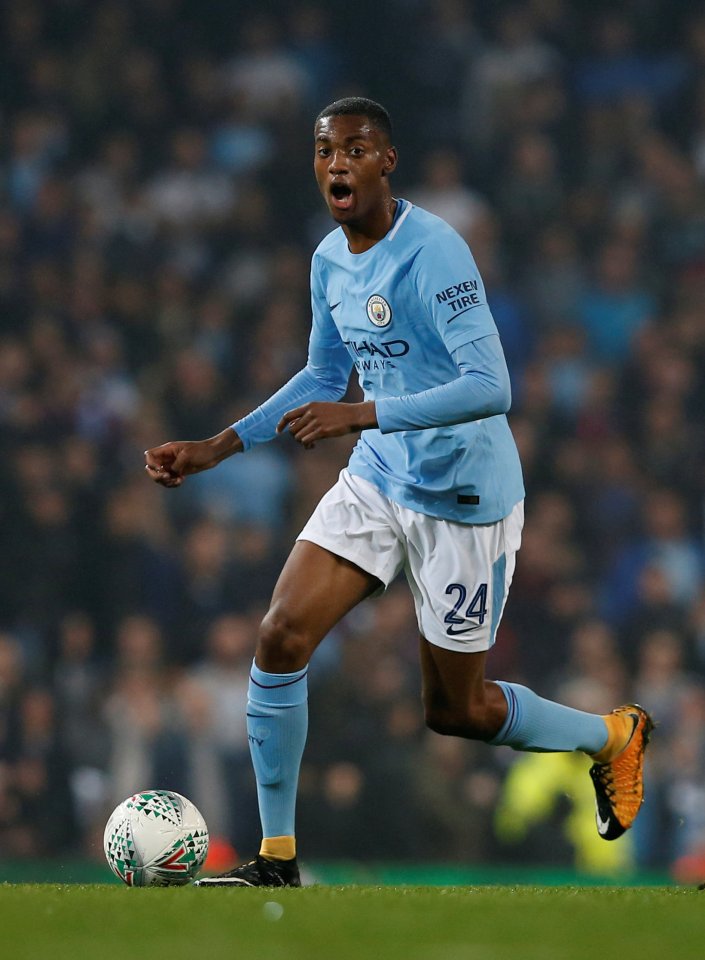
(352,923)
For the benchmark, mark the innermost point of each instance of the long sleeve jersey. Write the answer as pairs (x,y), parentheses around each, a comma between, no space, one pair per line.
(411,316)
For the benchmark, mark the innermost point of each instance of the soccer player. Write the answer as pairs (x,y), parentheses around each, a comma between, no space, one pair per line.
(433,487)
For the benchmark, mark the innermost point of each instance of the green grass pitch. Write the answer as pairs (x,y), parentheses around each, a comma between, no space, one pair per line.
(351,923)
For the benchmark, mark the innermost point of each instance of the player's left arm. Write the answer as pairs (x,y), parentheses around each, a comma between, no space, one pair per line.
(482,390)
(452,295)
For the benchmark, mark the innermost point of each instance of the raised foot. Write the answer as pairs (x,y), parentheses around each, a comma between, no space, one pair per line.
(619,784)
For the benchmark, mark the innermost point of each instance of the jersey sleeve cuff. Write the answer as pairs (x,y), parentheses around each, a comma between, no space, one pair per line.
(242,429)
(389,413)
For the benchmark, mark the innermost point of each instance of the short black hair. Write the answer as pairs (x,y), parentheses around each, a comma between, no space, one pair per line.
(362,107)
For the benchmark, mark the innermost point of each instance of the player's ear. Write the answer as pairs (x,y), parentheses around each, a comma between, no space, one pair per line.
(390,161)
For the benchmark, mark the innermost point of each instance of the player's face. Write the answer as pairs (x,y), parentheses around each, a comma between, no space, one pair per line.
(352,162)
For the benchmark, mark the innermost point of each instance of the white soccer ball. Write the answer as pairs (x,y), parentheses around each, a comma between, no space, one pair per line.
(156,838)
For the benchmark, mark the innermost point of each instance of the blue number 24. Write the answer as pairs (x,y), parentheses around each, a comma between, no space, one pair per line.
(476,609)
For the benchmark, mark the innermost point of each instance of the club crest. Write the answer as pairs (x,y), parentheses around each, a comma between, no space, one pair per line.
(379,311)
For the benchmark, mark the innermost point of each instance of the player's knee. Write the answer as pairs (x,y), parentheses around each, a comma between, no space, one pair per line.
(283,645)
(472,721)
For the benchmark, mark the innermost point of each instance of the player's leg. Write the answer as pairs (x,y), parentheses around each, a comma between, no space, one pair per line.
(460,588)
(348,550)
(315,590)
(460,701)
(457,699)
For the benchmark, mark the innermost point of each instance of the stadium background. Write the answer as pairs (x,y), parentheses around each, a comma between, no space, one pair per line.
(158,214)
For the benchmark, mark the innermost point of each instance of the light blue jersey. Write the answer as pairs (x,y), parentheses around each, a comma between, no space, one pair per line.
(411,315)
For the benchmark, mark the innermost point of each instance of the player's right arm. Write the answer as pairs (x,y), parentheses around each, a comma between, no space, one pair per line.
(171,462)
(325,377)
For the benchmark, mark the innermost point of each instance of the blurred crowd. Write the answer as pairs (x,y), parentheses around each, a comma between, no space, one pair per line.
(157,219)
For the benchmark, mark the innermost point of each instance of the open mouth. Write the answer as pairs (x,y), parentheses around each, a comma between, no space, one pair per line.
(341,196)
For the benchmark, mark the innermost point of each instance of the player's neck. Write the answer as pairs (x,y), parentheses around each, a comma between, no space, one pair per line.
(365,234)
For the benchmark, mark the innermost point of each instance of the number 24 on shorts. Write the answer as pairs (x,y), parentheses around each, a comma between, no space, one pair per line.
(476,609)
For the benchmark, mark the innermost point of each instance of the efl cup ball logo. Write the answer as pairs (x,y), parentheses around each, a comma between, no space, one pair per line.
(379,311)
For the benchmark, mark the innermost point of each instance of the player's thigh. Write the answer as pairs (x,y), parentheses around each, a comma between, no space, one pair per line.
(460,575)
(350,547)
(355,521)
(315,590)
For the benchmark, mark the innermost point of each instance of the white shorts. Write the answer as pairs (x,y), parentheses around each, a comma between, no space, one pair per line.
(459,573)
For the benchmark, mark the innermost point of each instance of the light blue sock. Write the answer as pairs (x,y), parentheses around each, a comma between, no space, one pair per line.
(541,726)
(277,723)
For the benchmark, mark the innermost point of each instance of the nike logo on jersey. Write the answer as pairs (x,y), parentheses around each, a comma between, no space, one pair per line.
(334,305)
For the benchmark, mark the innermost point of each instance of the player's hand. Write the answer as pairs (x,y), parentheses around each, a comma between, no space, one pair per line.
(319,420)
(170,463)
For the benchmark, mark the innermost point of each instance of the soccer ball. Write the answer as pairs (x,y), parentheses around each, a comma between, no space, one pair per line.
(156,838)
